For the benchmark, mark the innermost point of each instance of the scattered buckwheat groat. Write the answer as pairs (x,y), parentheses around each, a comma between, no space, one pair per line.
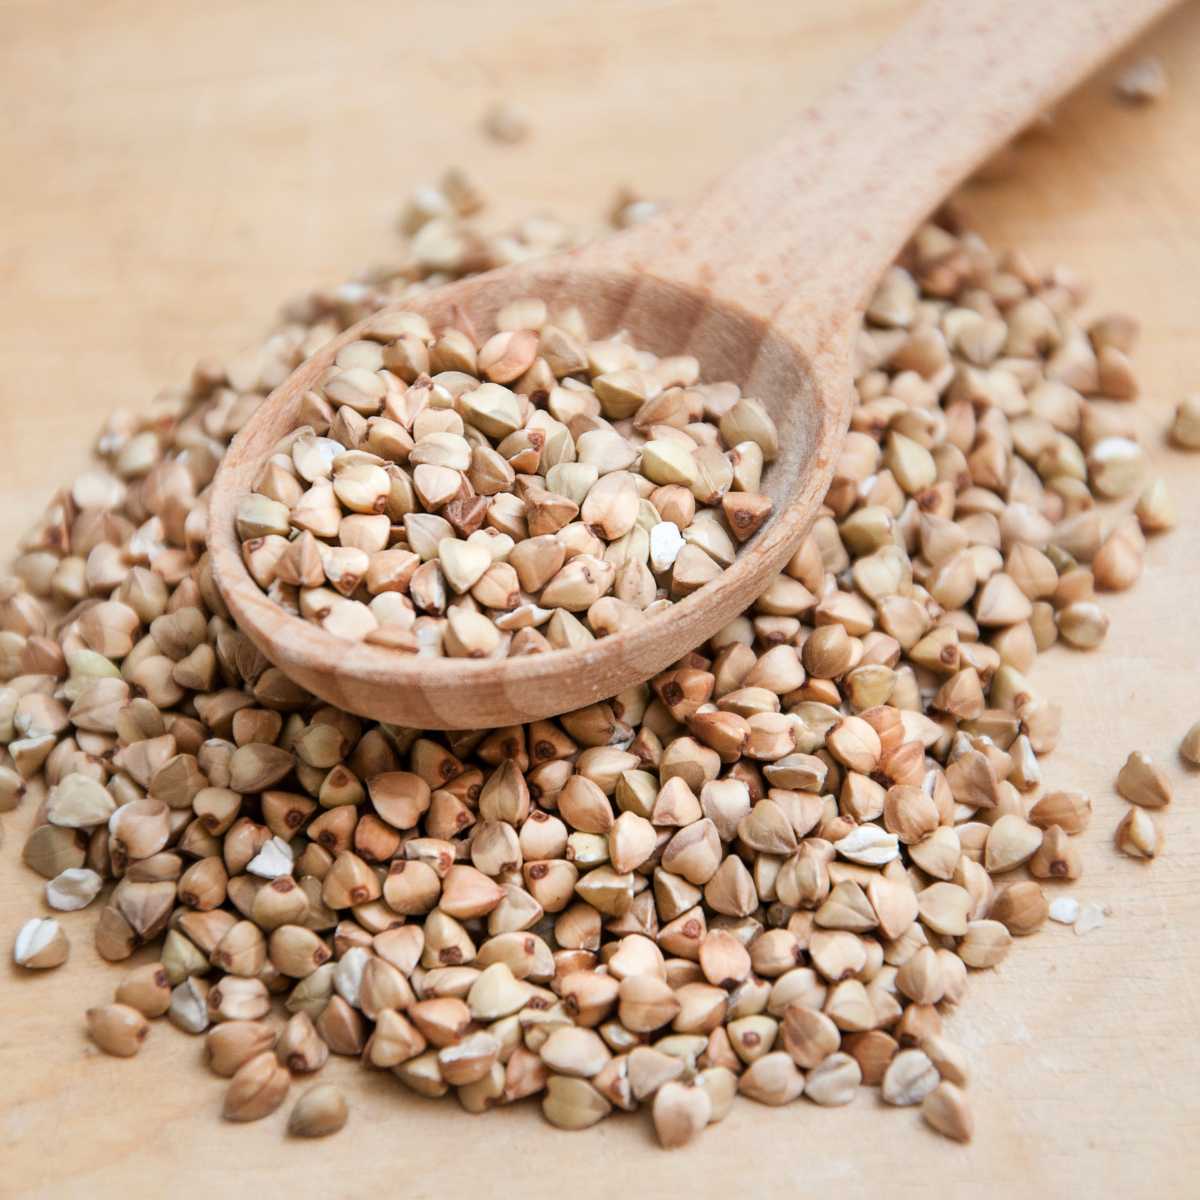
(257,1089)
(772,870)
(320,1111)
(1138,835)
(1185,430)
(946,1109)
(1189,748)
(1143,81)
(41,944)
(1142,783)
(117,1029)
(629,208)
(506,122)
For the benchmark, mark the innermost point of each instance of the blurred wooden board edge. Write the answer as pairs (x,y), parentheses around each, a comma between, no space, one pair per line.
(1084,1051)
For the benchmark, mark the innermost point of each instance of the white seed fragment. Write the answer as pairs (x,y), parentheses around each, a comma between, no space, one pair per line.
(273,860)
(869,845)
(665,544)
(1091,916)
(72,889)
(40,944)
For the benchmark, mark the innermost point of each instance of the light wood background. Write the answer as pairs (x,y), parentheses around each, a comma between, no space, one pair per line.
(171,172)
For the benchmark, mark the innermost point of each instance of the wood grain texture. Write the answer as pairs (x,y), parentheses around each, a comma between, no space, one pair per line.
(764,281)
(172,172)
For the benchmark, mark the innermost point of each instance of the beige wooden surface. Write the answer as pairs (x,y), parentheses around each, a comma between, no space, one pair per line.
(171,172)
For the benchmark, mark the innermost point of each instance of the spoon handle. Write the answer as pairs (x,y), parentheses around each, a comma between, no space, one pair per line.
(800,234)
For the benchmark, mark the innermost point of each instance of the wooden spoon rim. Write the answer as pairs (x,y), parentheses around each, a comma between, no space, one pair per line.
(321,661)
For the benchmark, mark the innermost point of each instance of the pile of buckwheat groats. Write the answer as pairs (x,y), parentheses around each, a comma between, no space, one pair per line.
(769,871)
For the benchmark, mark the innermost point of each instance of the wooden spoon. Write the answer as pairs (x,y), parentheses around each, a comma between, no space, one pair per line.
(764,281)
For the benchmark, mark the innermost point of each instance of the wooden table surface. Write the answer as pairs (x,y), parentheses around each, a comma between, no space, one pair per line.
(172,172)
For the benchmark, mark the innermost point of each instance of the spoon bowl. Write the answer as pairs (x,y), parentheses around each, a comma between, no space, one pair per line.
(808,399)
(765,282)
